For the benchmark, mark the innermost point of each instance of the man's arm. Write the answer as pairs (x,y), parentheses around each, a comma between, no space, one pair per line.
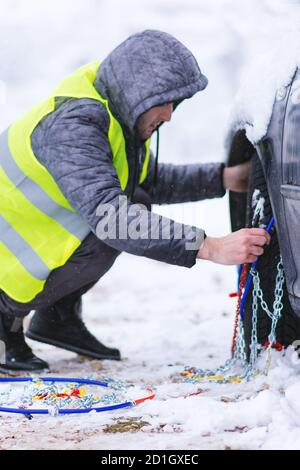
(72,144)
(184,183)
(194,182)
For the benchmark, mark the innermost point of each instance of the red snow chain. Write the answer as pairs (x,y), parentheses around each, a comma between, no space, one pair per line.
(238,294)
(278,346)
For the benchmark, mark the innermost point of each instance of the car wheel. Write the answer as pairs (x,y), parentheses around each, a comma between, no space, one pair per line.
(288,327)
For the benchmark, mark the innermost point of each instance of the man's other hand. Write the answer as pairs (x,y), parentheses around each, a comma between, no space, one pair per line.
(236,177)
(239,247)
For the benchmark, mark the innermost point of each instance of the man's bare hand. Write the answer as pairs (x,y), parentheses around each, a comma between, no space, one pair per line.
(239,247)
(236,177)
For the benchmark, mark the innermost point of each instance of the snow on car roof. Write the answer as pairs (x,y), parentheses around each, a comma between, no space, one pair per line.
(267,75)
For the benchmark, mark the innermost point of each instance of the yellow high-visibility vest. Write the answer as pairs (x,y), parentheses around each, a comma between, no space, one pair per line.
(39,229)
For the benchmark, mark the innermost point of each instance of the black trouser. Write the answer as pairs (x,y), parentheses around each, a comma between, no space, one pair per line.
(92,259)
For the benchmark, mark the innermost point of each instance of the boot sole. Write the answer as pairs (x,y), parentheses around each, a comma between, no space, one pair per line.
(11,371)
(58,344)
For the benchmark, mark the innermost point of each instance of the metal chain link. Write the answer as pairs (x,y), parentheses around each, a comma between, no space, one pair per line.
(249,369)
(277,304)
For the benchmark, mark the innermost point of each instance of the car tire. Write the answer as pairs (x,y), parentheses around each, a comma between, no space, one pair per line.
(288,327)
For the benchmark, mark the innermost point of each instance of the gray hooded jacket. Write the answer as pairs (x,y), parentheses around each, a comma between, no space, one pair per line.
(148,69)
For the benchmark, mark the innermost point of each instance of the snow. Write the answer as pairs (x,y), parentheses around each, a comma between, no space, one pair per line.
(162,317)
(258,206)
(264,80)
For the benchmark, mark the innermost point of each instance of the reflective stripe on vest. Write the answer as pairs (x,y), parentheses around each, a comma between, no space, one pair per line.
(37,234)
(39,229)
(36,195)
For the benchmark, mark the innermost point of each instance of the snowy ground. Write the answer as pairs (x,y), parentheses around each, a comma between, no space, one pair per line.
(185,318)
(161,317)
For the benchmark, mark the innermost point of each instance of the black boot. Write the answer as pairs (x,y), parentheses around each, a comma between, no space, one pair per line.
(61,325)
(18,355)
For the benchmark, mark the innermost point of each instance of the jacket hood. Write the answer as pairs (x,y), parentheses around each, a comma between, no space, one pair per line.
(149,69)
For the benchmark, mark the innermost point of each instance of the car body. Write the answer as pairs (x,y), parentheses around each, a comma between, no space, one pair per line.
(279,153)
